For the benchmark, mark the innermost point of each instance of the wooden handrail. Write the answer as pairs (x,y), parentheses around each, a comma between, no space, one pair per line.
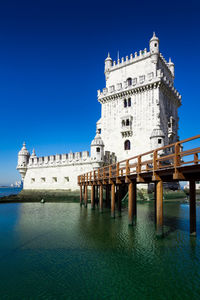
(141,164)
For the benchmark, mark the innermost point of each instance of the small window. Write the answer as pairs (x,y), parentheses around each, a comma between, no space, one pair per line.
(98,149)
(54,179)
(129,81)
(155,44)
(159,141)
(66,179)
(32,180)
(99,130)
(123,123)
(43,179)
(127,145)
(125,103)
(127,122)
(129,101)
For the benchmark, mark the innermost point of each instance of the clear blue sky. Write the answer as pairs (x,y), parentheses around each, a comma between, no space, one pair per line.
(52,62)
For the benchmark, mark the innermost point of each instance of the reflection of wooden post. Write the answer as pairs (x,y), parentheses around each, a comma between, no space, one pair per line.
(101,198)
(192,208)
(92,196)
(81,195)
(119,200)
(86,195)
(132,205)
(159,207)
(113,200)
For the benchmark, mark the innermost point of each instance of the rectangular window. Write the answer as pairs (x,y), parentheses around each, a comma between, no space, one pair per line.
(159,141)
(129,101)
(32,180)
(54,179)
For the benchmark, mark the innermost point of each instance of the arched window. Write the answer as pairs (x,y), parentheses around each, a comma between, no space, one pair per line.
(129,101)
(127,145)
(127,122)
(129,81)
(125,103)
(98,149)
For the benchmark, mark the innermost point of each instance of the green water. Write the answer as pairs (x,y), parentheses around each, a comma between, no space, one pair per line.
(62,251)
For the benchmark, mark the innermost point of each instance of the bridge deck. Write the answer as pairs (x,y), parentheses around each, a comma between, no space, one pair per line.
(167,164)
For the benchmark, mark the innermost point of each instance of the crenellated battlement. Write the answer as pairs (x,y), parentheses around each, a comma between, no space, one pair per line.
(138,82)
(120,63)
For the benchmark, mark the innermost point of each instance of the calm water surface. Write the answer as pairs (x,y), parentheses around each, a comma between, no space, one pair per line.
(60,251)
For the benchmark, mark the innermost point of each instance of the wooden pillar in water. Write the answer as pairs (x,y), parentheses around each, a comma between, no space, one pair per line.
(132,203)
(96,195)
(101,198)
(119,200)
(93,196)
(107,195)
(155,197)
(192,195)
(113,200)
(159,207)
(85,195)
(81,196)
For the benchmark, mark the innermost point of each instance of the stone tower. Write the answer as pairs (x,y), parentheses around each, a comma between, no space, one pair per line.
(139,104)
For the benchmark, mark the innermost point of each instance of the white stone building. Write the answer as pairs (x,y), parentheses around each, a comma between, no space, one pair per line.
(139,112)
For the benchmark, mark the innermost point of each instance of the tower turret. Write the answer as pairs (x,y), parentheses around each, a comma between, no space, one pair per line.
(157,138)
(97,150)
(154,48)
(23,159)
(171,66)
(108,65)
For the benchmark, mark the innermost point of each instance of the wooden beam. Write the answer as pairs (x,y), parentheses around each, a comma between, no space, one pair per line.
(113,200)
(101,198)
(159,207)
(132,206)
(93,196)
(192,192)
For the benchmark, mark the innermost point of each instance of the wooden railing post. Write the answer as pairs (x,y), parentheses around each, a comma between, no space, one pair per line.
(196,158)
(177,162)
(155,155)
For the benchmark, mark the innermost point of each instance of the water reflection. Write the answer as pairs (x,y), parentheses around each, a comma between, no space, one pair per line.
(62,251)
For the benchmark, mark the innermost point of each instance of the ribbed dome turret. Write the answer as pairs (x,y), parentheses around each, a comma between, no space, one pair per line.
(108,57)
(157,132)
(97,141)
(154,38)
(24,151)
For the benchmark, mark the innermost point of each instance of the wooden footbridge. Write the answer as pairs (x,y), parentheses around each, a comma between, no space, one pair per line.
(175,162)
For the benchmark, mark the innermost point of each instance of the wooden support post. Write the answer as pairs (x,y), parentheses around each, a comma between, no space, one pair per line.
(155,197)
(81,196)
(93,196)
(113,200)
(192,208)
(119,200)
(101,198)
(85,195)
(132,205)
(159,208)
(108,196)
(96,195)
